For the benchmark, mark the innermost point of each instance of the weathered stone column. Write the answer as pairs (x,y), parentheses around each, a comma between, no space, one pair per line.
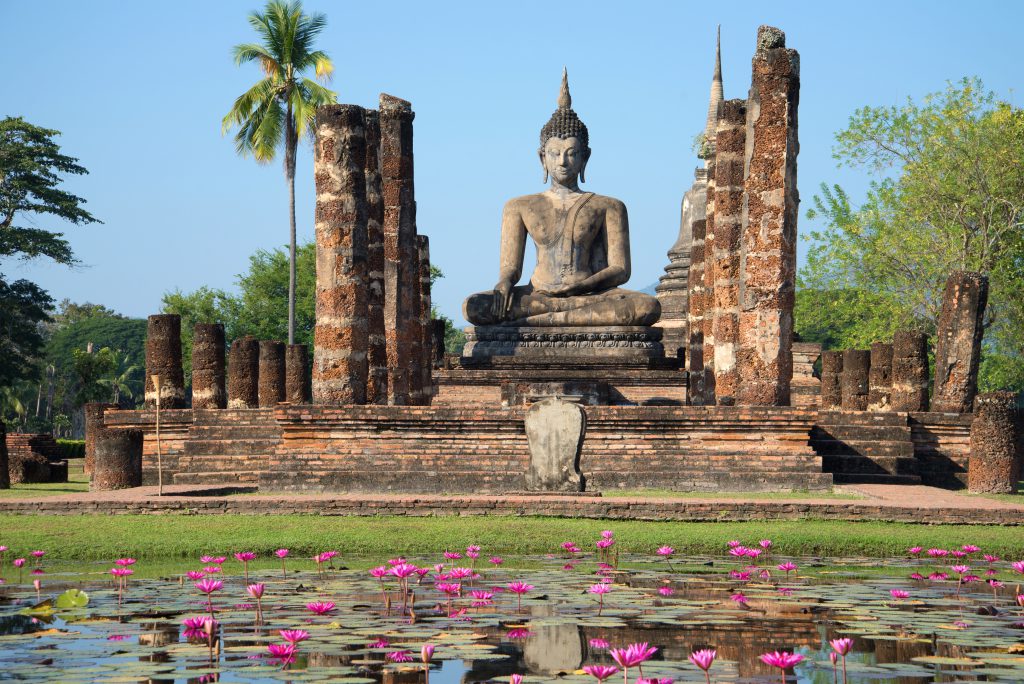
(208,367)
(707,291)
(340,338)
(725,255)
(93,425)
(401,277)
(437,331)
(244,373)
(163,358)
(768,264)
(831,380)
(854,379)
(958,342)
(426,332)
(695,359)
(5,473)
(909,371)
(880,378)
(271,374)
(118,462)
(994,466)
(377,355)
(296,374)
(673,287)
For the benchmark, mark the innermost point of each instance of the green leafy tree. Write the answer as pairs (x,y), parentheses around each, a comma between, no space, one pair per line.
(91,368)
(280,108)
(24,307)
(948,195)
(121,377)
(31,166)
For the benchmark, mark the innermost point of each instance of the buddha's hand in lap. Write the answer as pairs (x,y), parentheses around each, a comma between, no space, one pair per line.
(501,305)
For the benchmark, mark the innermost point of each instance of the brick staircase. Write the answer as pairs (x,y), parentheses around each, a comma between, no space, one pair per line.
(227,446)
(860,447)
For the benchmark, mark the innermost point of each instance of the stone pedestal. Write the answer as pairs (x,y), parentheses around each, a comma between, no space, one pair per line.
(271,374)
(995,466)
(243,373)
(377,358)
(831,380)
(880,378)
(340,366)
(854,379)
(673,287)
(574,346)
(163,358)
(118,459)
(93,425)
(909,371)
(958,342)
(208,367)
(768,267)
(297,388)
(555,429)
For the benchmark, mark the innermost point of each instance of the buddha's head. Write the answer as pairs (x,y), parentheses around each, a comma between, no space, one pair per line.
(564,141)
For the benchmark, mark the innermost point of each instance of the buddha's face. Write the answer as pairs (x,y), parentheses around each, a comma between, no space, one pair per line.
(564,159)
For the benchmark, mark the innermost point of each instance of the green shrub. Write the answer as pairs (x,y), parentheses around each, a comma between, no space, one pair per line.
(71,448)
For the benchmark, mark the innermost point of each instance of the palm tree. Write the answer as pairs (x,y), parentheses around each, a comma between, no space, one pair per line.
(279,108)
(120,377)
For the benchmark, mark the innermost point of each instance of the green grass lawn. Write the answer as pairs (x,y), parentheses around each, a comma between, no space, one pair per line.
(88,537)
(77,482)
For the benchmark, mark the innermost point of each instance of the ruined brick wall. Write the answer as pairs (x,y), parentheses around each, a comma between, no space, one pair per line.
(163,358)
(941,447)
(958,342)
(340,365)
(768,263)
(209,366)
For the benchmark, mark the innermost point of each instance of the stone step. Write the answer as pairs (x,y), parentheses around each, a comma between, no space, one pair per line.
(852,463)
(889,433)
(863,448)
(875,478)
(233,477)
(229,448)
(862,418)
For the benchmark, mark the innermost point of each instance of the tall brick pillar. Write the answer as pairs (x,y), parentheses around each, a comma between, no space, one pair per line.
(163,358)
(958,342)
(854,379)
(297,389)
(5,473)
(880,377)
(377,356)
(93,425)
(707,291)
(417,392)
(909,371)
(768,265)
(340,338)
(994,466)
(426,330)
(271,374)
(724,256)
(244,373)
(831,380)
(208,367)
(401,308)
(695,280)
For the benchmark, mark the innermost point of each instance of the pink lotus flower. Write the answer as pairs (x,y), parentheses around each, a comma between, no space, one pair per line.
(452,555)
(632,656)
(211,569)
(914,550)
(738,551)
(208,586)
(960,569)
(404,656)
(284,654)
(1018,566)
(378,572)
(256,590)
(1020,600)
(294,636)
(605,543)
(481,598)
(121,572)
(124,562)
(782,660)
(938,553)
(665,551)
(519,633)
(842,646)
(938,576)
(957,553)
(320,607)
(117,637)
(607,534)
(990,558)
(787,567)
(732,544)
(600,672)
(599,644)
(739,598)
(741,575)
(516,679)
(379,643)
(18,562)
(281,553)
(599,588)
(754,553)
(198,627)
(970,548)
(666,591)
(519,588)
(703,659)
(38,554)
(195,575)
(403,570)
(765,544)
(899,594)
(245,556)
(496,560)
(427,653)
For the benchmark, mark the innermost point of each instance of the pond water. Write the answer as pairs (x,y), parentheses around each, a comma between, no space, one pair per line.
(943,630)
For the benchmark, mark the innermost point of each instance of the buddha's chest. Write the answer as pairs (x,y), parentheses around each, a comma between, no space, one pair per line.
(556,225)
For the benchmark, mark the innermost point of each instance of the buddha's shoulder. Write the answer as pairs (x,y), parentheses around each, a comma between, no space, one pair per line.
(542,198)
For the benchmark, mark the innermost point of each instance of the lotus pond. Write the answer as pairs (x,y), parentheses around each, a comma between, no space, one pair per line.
(748,615)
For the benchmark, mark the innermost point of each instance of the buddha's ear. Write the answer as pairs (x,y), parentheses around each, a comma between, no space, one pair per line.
(583,169)
(540,155)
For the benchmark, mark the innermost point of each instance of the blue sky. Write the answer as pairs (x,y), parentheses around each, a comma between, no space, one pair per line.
(139,89)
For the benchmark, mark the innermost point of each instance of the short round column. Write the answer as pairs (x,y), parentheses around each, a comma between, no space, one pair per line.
(93,424)
(994,466)
(831,373)
(118,462)
(856,366)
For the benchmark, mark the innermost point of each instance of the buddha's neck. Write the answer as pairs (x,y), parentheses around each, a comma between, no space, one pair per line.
(564,189)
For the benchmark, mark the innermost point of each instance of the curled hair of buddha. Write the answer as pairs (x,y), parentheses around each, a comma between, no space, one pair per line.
(564,123)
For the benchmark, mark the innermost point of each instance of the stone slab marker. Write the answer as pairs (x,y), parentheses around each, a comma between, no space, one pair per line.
(695,359)
(5,473)
(377,356)
(994,466)
(163,358)
(880,378)
(341,335)
(854,379)
(244,373)
(401,308)
(118,462)
(724,257)
(831,380)
(958,342)
(297,388)
(426,331)
(909,371)
(208,367)
(768,266)
(271,374)
(93,425)
(555,429)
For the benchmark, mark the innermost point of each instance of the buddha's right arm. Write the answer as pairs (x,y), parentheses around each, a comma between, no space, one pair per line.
(513,244)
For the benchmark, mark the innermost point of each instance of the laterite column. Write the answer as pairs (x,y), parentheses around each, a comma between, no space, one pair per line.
(93,425)
(244,373)
(958,342)
(831,380)
(340,337)
(163,358)
(208,367)
(909,371)
(118,462)
(271,374)
(296,374)
(854,379)
(707,289)
(994,466)
(880,378)
(768,268)
(426,331)
(695,281)
(377,355)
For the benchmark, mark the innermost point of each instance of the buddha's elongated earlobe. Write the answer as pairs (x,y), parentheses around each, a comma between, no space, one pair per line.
(540,155)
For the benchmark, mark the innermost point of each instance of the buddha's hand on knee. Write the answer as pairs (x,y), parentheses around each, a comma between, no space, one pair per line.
(502,302)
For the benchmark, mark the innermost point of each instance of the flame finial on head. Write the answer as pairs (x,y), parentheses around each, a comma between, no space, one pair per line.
(564,122)
(564,98)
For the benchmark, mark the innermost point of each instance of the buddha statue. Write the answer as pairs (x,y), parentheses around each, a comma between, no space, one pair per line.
(582,242)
